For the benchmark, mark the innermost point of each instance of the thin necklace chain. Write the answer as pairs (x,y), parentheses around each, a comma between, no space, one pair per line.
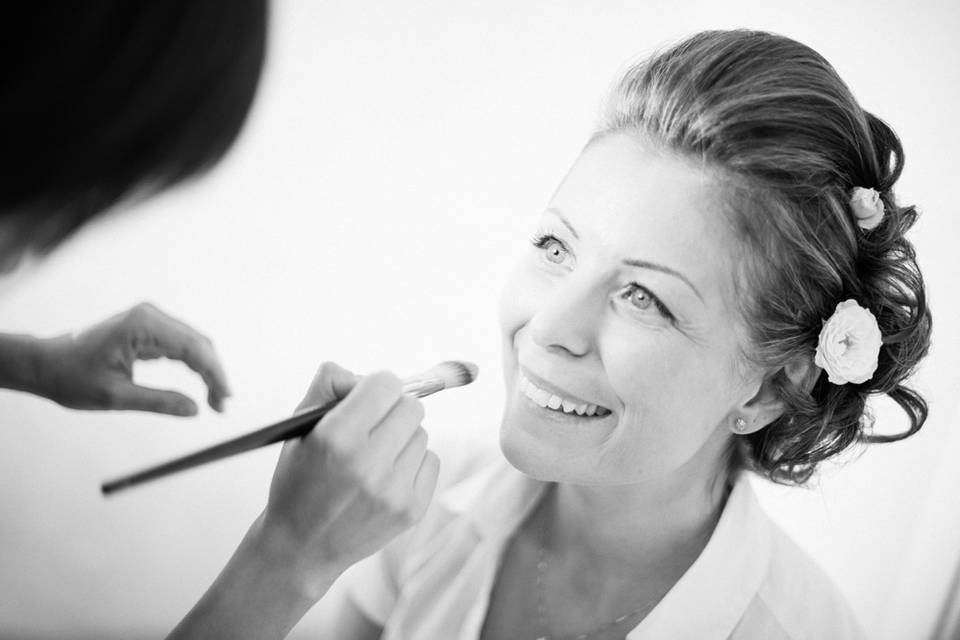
(542,566)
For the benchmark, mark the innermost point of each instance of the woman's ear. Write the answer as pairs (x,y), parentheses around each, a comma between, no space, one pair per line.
(767,405)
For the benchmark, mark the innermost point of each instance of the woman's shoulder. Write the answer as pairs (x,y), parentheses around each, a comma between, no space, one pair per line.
(751,582)
(797,599)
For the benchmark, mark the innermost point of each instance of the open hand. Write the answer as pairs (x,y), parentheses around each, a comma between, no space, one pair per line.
(94,369)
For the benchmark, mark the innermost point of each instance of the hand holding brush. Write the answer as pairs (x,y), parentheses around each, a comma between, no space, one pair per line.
(445,375)
(339,493)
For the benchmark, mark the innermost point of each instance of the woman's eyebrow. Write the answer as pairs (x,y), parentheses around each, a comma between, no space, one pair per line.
(564,220)
(643,264)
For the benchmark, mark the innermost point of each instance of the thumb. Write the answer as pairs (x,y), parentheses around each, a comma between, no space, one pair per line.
(130,397)
(331,382)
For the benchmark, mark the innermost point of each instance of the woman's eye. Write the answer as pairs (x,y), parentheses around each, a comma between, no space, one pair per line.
(553,250)
(641,299)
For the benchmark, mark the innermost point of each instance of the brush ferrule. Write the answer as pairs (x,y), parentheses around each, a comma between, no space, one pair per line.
(421,387)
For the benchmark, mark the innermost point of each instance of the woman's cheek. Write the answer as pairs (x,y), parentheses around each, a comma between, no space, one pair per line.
(518,299)
(649,372)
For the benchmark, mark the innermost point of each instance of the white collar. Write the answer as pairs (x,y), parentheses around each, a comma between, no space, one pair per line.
(709,599)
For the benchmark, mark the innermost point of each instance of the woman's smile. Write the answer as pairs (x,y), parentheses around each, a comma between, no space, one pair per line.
(556,399)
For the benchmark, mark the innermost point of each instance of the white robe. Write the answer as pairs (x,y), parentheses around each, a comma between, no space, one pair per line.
(750,582)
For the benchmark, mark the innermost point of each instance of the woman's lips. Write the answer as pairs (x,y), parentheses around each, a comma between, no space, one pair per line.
(557,400)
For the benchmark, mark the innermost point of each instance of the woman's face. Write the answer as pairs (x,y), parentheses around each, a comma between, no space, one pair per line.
(622,307)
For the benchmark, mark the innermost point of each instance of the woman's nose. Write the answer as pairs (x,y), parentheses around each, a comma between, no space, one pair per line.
(567,319)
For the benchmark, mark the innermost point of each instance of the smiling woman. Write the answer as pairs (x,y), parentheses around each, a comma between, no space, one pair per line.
(661,339)
(608,307)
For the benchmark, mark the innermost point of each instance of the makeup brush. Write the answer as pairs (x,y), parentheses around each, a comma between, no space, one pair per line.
(445,375)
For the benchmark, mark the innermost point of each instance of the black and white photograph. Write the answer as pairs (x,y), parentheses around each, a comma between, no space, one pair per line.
(531,320)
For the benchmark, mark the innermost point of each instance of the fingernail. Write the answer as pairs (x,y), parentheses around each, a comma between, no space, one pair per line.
(187,410)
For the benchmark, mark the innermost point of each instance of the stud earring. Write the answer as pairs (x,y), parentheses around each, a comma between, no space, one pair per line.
(740,425)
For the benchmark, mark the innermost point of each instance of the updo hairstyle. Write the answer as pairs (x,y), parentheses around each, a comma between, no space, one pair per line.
(788,142)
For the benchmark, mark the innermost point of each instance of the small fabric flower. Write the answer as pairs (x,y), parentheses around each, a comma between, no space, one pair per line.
(849,344)
(867,207)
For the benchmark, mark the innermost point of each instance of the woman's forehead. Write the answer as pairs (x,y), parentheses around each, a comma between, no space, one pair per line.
(625,170)
(648,204)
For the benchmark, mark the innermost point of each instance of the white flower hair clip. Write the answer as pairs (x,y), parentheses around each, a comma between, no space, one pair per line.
(867,207)
(849,345)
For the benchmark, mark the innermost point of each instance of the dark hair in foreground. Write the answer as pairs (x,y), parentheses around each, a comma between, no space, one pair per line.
(788,142)
(109,99)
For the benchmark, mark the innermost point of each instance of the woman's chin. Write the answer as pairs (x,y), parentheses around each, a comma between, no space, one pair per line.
(524,457)
(534,456)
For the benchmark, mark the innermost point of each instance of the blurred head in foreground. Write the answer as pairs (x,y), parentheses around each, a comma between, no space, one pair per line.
(109,100)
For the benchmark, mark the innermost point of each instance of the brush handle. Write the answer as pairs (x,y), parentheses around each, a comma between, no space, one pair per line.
(297,425)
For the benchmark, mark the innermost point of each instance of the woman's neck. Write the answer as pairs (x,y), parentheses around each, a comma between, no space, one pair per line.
(624,528)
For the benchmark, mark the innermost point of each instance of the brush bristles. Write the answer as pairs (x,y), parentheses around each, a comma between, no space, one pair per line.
(454,373)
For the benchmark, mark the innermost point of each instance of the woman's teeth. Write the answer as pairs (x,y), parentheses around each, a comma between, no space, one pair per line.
(552,401)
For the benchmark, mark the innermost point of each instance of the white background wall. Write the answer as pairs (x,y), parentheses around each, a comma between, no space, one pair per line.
(367,216)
